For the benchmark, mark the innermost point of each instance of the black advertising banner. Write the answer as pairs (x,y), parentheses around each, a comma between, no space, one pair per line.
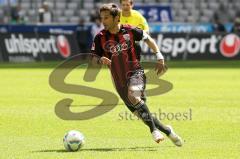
(37,47)
(196,46)
(30,46)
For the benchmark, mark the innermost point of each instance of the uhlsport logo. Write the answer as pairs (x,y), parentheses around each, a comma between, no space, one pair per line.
(18,44)
(230,45)
(227,45)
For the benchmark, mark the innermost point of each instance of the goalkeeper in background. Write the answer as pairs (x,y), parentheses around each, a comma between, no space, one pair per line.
(131,16)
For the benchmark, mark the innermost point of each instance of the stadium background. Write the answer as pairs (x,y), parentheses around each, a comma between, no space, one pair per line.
(179,27)
(203,68)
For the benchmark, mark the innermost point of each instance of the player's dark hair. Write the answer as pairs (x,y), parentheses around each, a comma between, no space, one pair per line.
(131,1)
(112,8)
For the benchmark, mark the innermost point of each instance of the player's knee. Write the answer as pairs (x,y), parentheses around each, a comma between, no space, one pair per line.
(134,96)
(133,100)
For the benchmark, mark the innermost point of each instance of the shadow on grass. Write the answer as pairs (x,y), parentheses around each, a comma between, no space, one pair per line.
(104,149)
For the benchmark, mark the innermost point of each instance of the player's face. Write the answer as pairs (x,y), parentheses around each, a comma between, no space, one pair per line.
(109,22)
(126,5)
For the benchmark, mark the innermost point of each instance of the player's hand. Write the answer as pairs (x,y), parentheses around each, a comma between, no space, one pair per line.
(160,68)
(105,61)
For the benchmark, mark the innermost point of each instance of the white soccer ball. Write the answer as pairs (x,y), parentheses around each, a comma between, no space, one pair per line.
(73,140)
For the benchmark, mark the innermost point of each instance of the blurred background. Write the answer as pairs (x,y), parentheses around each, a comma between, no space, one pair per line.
(177,20)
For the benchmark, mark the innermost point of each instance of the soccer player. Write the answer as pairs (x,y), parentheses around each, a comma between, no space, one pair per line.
(116,47)
(131,16)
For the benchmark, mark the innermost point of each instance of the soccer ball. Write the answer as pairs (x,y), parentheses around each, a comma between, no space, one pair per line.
(73,140)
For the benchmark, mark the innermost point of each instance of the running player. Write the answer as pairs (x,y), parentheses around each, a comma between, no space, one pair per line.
(116,47)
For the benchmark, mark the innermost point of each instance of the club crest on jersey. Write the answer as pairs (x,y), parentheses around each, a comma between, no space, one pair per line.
(126,37)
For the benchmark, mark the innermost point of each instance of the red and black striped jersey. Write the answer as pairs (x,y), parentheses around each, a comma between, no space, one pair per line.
(122,48)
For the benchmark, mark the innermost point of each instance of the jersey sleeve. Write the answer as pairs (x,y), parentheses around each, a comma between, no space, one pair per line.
(137,34)
(96,46)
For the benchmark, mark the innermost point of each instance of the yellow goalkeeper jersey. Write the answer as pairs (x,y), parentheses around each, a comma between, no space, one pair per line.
(135,19)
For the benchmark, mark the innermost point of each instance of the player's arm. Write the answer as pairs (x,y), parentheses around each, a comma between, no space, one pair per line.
(142,35)
(97,52)
(160,67)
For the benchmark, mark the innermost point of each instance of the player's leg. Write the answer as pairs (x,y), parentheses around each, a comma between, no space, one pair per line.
(168,130)
(135,85)
(137,105)
(157,136)
(137,97)
(161,126)
(136,94)
(134,98)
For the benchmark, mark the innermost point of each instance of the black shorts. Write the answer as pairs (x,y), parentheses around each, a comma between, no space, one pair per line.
(137,82)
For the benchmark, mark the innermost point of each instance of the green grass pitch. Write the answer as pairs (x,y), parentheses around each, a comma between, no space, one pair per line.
(30,129)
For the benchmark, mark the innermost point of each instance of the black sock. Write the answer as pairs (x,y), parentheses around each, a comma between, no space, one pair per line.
(145,115)
(161,127)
